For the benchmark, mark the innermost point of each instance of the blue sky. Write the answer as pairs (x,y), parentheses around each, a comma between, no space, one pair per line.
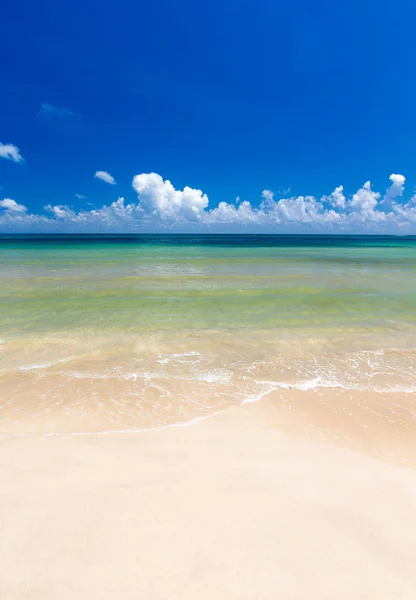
(230,98)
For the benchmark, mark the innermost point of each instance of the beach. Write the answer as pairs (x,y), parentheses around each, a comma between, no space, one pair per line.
(229,507)
(207,416)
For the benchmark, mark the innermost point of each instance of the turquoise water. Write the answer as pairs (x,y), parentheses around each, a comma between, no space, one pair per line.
(206,310)
(174,282)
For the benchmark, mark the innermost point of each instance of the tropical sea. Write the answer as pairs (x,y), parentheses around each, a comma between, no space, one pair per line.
(129,332)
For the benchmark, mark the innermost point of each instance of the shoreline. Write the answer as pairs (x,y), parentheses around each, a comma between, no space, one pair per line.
(382,425)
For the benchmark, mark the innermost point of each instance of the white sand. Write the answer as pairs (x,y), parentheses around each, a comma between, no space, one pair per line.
(228,508)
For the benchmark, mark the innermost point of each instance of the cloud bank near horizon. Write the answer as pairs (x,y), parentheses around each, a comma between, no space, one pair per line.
(160,206)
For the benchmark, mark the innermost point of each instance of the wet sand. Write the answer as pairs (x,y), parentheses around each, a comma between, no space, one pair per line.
(261,501)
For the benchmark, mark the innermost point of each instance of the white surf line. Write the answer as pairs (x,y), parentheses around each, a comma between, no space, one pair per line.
(136,430)
(248,400)
(110,431)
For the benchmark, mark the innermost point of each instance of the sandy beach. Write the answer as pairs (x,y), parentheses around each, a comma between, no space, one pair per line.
(213,417)
(239,505)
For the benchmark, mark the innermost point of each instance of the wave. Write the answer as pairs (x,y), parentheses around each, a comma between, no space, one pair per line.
(116,394)
(392,370)
(46,365)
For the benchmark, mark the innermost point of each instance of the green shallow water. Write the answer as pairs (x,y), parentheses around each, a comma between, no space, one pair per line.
(59,285)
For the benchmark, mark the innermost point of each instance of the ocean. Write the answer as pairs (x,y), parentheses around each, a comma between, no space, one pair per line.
(127,332)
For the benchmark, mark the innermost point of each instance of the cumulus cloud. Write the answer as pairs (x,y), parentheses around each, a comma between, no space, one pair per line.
(268,196)
(364,203)
(159,198)
(104,176)
(160,205)
(11,152)
(241,214)
(12,205)
(337,198)
(395,190)
(59,211)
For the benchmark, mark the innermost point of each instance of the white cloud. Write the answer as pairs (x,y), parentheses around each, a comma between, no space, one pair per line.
(336,199)
(12,205)
(243,214)
(158,198)
(397,186)
(80,196)
(11,152)
(59,211)
(104,176)
(298,210)
(364,204)
(267,196)
(160,205)
(395,190)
